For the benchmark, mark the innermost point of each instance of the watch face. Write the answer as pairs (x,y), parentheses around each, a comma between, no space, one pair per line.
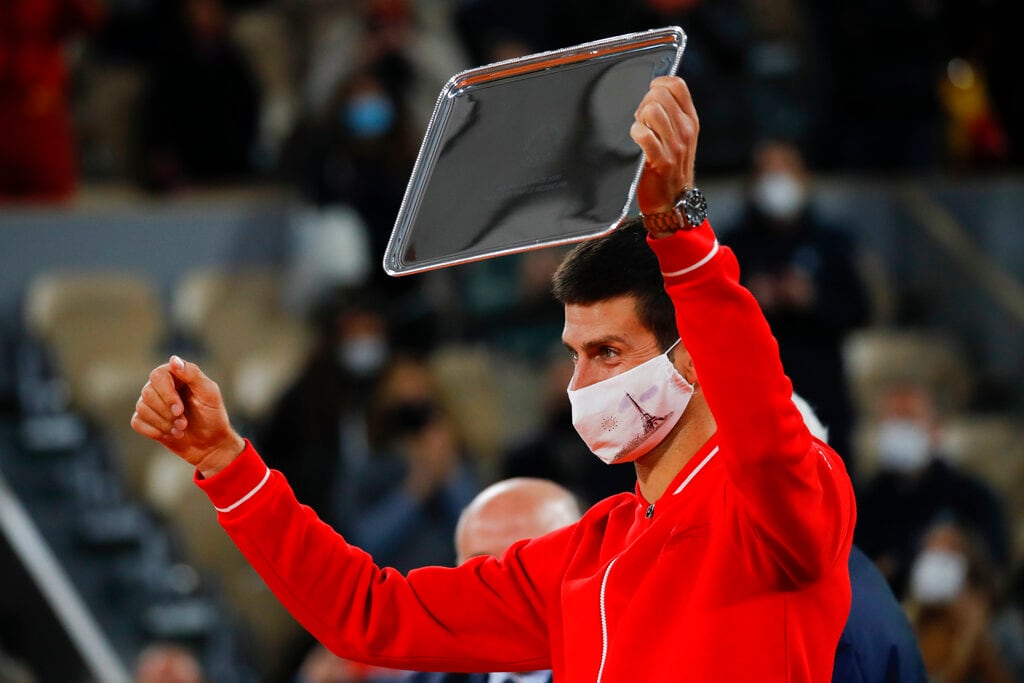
(696,207)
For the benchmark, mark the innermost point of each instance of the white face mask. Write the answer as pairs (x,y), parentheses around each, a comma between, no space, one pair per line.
(903,445)
(625,416)
(362,356)
(779,195)
(938,576)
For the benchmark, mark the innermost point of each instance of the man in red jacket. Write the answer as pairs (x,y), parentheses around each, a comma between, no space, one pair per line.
(728,563)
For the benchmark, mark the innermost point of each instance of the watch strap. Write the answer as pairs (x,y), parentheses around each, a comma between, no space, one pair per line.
(690,201)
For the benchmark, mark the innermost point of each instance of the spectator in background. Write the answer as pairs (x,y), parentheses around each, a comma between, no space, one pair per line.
(411,42)
(364,437)
(316,432)
(952,605)
(803,272)
(38,156)
(878,644)
(360,153)
(503,514)
(200,111)
(418,477)
(915,486)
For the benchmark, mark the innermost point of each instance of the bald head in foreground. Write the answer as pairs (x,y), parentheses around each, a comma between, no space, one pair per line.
(510,511)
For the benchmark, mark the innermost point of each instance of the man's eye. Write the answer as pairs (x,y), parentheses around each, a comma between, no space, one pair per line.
(607,352)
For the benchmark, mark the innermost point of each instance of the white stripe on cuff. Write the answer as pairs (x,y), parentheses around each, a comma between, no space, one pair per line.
(698,264)
(247,496)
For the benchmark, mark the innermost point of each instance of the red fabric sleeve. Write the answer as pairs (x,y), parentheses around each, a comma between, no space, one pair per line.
(484,615)
(797,511)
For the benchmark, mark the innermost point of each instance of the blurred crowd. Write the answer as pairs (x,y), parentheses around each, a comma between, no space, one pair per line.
(332,96)
(415,393)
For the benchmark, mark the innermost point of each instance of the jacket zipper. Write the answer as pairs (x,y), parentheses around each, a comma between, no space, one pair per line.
(604,621)
(608,569)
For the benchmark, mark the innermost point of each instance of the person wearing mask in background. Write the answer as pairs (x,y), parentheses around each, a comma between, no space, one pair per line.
(373,452)
(38,155)
(358,154)
(419,474)
(733,545)
(952,604)
(804,274)
(915,485)
(410,44)
(316,432)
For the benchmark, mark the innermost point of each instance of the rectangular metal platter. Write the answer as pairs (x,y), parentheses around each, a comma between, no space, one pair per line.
(529,153)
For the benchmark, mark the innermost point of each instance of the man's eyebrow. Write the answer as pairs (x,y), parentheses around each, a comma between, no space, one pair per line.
(594,343)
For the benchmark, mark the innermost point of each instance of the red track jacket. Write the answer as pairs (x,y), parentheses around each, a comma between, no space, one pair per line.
(740,574)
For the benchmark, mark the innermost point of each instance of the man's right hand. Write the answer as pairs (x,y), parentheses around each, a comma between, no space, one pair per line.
(182,408)
(666,128)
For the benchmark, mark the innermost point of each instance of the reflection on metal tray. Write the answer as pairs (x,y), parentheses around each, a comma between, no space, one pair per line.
(530,152)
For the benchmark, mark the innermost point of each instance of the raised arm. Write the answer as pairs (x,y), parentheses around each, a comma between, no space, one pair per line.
(793,496)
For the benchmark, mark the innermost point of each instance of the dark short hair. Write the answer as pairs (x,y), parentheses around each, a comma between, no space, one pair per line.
(619,264)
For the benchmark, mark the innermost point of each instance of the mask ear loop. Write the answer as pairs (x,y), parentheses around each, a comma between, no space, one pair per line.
(668,351)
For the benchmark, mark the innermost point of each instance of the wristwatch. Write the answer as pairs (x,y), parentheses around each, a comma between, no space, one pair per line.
(690,211)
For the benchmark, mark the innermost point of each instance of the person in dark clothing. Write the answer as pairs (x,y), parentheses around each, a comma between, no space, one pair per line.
(201,107)
(360,154)
(955,607)
(803,273)
(878,644)
(316,432)
(916,487)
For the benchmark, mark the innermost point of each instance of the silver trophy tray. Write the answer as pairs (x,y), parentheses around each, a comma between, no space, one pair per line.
(529,153)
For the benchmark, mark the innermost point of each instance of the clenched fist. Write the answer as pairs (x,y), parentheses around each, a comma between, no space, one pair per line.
(182,408)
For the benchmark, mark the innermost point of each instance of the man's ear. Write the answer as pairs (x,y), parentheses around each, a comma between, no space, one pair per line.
(684,364)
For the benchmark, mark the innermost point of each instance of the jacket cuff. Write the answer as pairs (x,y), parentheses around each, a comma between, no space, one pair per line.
(685,251)
(238,482)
